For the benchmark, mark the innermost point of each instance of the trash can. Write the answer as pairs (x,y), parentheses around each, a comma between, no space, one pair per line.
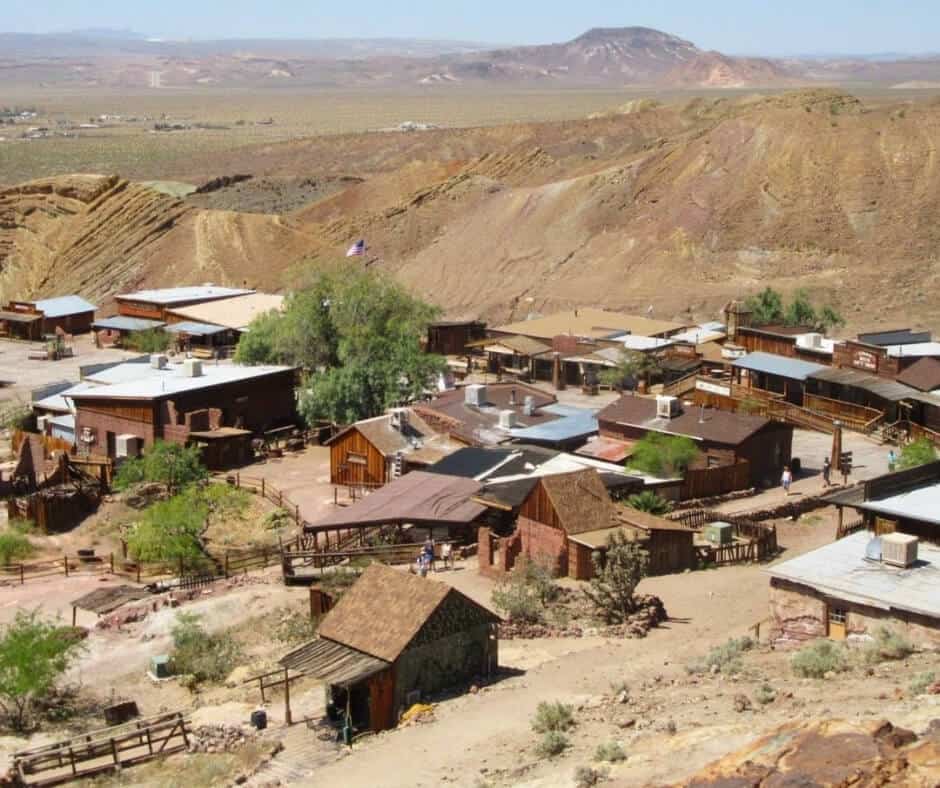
(259,719)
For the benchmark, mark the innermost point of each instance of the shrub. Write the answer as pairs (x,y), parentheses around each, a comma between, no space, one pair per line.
(34,654)
(765,694)
(554,716)
(819,658)
(725,658)
(524,594)
(915,453)
(649,501)
(197,653)
(887,645)
(552,743)
(154,340)
(14,547)
(610,751)
(169,531)
(16,416)
(921,682)
(22,526)
(616,576)
(587,776)
(663,455)
(294,626)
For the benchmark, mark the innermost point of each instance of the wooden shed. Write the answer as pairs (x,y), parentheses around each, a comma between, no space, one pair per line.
(431,637)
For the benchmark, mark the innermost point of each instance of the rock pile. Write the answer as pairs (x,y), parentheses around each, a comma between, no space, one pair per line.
(220,738)
(650,612)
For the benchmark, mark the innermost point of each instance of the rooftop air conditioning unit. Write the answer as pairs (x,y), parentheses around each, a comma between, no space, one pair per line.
(528,407)
(667,407)
(158,361)
(475,394)
(41,423)
(398,418)
(127,446)
(899,549)
(507,419)
(192,368)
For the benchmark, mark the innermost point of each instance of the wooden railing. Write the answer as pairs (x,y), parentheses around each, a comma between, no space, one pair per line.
(105,750)
(295,556)
(849,528)
(260,486)
(855,417)
(681,386)
(758,541)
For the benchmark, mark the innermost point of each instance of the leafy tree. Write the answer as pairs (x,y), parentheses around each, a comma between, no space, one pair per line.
(33,656)
(766,306)
(663,455)
(631,366)
(915,453)
(171,464)
(616,576)
(169,531)
(153,340)
(259,344)
(829,319)
(649,501)
(800,311)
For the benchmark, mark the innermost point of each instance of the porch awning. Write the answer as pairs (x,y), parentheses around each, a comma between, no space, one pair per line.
(333,662)
(19,317)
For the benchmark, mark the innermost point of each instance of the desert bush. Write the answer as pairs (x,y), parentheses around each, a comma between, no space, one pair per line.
(154,340)
(294,626)
(610,751)
(16,416)
(819,658)
(663,455)
(887,645)
(524,594)
(588,776)
(34,654)
(649,501)
(921,682)
(22,526)
(725,658)
(919,452)
(552,743)
(14,546)
(765,694)
(200,654)
(552,716)
(616,576)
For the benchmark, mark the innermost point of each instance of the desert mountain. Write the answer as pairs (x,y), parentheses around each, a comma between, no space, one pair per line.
(676,207)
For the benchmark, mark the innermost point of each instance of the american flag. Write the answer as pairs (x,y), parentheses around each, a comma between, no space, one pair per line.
(358,249)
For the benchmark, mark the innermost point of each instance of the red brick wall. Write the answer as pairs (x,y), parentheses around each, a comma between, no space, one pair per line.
(542,542)
(102,424)
(580,565)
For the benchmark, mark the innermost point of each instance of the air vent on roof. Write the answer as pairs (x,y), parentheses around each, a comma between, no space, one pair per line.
(507,419)
(158,361)
(192,368)
(528,408)
(667,407)
(398,418)
(475,394)
(899,549)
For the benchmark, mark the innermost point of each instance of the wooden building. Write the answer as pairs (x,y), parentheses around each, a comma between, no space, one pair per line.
(373,452)
(158,304)
(139,404)
(451,338)
(33,320)
(723,438)
(394,639)
(761,375)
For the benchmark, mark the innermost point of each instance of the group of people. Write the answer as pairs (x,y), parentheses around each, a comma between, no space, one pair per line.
(427,558)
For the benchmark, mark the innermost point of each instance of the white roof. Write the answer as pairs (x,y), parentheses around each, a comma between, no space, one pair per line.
(58,402)
(567,463)
(63,305)
(709,332)
(922,503)
(917,349)
(236,312)
(637,342)
(809,342)
(174,295)
(840,570)
(151,383)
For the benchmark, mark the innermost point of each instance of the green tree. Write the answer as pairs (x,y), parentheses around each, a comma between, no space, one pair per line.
(663,455)
(766,307)
(171,464)
(153,340)
(800,311)
(169,531)
(259,344)
(631,366)
(915,453)
(649,501)
(617,573)
(34,654)
(829,319)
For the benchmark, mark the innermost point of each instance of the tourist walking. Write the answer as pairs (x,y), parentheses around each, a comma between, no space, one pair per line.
(827,471)
(786,479)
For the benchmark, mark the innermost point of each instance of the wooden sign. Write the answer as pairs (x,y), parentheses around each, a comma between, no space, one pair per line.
(865,359)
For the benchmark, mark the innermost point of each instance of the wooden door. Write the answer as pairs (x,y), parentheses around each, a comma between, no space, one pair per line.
(836,622)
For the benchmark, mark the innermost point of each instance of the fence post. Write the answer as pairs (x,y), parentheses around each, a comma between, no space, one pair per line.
(238,479)
(296,514)
(280,498)
(66,565)
(138,571)
(262,486)
(22,575)
(111,563)
(226,564)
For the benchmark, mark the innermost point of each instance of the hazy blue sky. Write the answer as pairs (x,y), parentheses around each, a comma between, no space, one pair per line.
(751,26)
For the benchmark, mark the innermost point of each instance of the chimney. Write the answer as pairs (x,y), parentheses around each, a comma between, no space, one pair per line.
(528,407)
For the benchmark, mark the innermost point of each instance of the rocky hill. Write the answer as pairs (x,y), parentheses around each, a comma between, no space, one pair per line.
(678,207)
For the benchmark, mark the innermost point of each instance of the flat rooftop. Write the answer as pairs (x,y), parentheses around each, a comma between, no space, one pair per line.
(840,570)
(176,295)
(593,323)
(236,312)
(921,503)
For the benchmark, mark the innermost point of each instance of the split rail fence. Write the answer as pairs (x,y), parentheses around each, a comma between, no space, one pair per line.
(103,750)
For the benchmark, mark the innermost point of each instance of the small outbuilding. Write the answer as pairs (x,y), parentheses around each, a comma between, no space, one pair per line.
(33,320)
(393,640)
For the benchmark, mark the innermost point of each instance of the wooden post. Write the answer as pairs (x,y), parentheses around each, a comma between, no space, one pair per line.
(261,687)
(74,615)
(262,486)
(66,558)
(287,713)
(111,563)
(226,564)
(22,574)
(280,498)
(138,571)
(238,479)
(114,752)
(296,514)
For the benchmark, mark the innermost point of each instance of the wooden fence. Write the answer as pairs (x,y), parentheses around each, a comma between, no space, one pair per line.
(849,528)
(709,482)
(260,486)
(754,541)
(103,750)
(301,557)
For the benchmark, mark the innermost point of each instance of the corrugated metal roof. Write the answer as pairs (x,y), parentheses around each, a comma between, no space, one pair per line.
(896,337)
(123,323)
(175,295)
(921,503)
(571,425)
(63,305)
(333,662)
(841,571)
(524,346)
(917,350)
(195,329)
(881,387)
(778,365)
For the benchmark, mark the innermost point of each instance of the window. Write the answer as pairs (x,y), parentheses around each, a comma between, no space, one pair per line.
(837,615)
(356,459)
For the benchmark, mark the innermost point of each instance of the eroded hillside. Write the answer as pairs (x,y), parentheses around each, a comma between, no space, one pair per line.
(676,207)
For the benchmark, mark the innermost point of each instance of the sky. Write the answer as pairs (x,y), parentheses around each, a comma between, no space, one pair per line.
(770,27)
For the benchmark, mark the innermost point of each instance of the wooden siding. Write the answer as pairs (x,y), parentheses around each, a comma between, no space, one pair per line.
(671,551)
(142,309)
(538,507)
(372,473)
(382,701)
(708,482)
(142,412)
